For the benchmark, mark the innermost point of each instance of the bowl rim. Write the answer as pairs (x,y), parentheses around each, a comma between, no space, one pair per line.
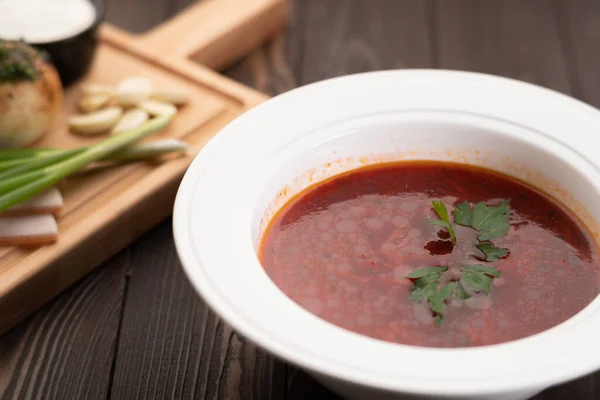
(187,206)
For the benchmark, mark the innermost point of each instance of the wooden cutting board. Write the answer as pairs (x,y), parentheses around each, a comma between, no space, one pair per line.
(107,209)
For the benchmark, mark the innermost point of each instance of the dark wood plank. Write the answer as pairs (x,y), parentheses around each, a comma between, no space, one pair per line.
(348,36)
(172,346)
(517,39)
(302,386)
(275,67)
(176,6)
(586,388)
(65,350)
(579,25)
(137,16)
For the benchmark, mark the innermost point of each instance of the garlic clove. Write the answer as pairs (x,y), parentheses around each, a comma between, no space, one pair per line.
(96,122)
(131,119)
(133,90)
(93,102)
(155,107)
(174,96)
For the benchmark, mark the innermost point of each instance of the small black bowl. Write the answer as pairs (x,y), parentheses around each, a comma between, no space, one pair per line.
(73,56)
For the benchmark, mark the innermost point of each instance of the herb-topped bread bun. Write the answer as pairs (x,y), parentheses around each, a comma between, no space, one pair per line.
(31,94)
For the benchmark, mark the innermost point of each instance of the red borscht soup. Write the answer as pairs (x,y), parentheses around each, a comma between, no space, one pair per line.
(432,254)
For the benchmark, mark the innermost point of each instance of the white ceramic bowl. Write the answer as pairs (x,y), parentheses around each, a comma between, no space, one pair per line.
(267,155)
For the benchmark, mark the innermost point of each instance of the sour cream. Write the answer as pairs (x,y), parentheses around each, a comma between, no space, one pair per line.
(44,21)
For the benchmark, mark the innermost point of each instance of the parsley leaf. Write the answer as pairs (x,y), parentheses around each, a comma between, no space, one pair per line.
(442,212)
(484,269)
(462,214)
(424,287)
(479,277)
(458,291)
(437,302)
(491,252)
(440,223)
(424,271)
(426,281)
(491,221)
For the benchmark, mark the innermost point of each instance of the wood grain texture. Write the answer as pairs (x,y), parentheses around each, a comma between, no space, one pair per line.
(516,39)
(172,346)
(275,67)
(342,37)
(212,33)
(138,16)
(65,351)
(579,26)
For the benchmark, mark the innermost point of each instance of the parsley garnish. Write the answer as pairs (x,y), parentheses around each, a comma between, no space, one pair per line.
(491,252)
(441,210)
(424,287)
(426,282)
(491,221)
(479,277)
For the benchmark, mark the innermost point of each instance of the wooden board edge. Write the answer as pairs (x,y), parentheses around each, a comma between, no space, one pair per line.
(240,40)
(130,215)
(217,32)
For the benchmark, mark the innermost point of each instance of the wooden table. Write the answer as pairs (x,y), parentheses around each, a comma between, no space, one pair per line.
(134,328)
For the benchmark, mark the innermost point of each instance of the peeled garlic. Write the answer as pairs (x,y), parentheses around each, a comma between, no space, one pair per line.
(96,122)
(131,119)
(93,102)
(90,89)
(154,107)
(131,91)
(173,96)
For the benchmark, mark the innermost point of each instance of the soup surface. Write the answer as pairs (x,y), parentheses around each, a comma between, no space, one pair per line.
(369,252)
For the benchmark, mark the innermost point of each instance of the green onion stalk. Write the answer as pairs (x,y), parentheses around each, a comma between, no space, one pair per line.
(27,172)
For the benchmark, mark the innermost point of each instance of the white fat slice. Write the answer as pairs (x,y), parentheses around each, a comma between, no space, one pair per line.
(32,230)
(48,202)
